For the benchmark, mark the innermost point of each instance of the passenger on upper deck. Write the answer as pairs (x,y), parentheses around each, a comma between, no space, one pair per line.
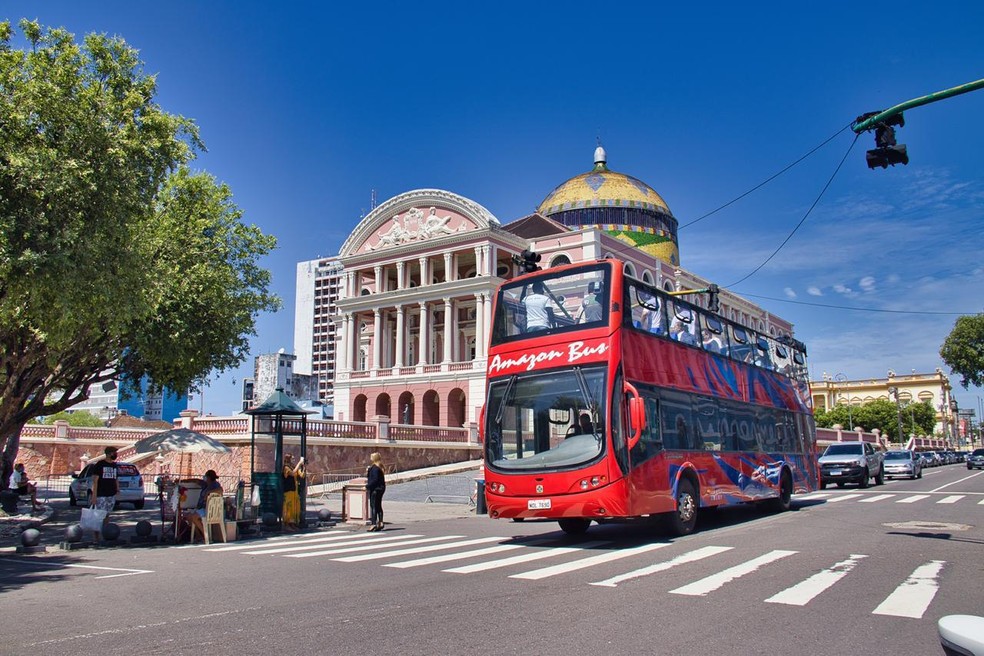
(538,315)
(590,307)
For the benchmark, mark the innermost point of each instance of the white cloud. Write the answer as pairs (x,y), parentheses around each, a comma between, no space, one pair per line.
(814,291)
(788,291)
(843,289)
(867,284)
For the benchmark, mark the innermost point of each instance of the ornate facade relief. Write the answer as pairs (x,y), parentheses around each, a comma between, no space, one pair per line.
(416,225)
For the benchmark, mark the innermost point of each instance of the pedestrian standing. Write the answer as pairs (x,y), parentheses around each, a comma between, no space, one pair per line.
(293,476)
(376,486)
(105,484)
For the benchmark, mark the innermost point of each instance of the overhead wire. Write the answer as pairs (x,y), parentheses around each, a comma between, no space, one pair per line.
(859,309)
(805,216)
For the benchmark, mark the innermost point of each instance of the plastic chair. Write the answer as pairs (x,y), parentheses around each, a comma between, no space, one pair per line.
(214,515)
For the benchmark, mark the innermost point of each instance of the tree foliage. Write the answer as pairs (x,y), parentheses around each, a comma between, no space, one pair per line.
(917,418)
(963,350)
(115,257)
(79,418)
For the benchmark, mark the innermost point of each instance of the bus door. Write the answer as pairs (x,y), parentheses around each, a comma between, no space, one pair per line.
(648,479)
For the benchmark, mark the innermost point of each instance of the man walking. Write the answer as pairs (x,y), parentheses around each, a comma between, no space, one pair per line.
(105,484)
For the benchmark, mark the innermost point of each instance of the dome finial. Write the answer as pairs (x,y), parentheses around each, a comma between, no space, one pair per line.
(600,158)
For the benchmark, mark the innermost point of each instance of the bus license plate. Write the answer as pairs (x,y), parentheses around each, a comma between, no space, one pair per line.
(538,504)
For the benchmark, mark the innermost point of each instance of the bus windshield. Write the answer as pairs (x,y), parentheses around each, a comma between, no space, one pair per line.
(546,420)
(573,298)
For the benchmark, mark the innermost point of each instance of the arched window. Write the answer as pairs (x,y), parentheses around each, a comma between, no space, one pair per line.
(560,260)
(359,409)
(629,269)
(647,277)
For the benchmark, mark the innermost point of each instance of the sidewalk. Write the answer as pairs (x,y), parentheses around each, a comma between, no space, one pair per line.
(442,492)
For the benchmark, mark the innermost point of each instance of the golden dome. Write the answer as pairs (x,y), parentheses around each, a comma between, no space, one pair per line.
(625,207)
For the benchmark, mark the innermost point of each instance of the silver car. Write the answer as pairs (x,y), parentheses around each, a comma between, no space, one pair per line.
(902,463)
(131,486)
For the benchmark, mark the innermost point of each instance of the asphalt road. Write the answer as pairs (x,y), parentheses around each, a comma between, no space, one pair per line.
(848,571)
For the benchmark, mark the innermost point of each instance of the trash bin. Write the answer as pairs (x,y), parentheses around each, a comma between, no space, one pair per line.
(481,506)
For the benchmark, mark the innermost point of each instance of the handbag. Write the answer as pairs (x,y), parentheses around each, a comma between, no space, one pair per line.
(92,519)
(255,496)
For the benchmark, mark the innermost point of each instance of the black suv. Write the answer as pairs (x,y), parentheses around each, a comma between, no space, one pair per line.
(976,459)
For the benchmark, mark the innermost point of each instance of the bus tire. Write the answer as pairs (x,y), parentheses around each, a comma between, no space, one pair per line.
(574,525)
(683,520)
(782,502)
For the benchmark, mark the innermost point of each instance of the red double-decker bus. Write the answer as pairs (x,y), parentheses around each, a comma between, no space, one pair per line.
(610,399)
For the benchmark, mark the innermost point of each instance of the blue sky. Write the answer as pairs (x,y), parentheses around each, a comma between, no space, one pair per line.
(307,107)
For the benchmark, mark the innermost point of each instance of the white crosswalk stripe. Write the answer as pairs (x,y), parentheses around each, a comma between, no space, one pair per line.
(913,499)
(525,558)
(417,550)
(711,583)
(843,497)
(461,555)
(590,561)
(353,540)
(953,498)
(877,498)
(804,592)
(690,557)
(912,598)
(372,544)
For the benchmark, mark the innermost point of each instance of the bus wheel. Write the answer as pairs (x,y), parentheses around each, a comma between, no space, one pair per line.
(683,520)
(784,500)
(574,526)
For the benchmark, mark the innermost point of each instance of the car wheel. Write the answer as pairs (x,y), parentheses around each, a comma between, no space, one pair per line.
(863,483)
(919,475)
(683,520)
(841,483)
(138,505)
(574,526)
(71,498)
(880,478)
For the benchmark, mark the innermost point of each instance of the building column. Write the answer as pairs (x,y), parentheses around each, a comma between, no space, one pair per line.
(380,283)
(487,301)
(377,339)
(447,267)
(448,328)
(348,337)
(493,260)
(425,278)
(399,275)
(479,327)
(400,336)
(478,261)
(424,330)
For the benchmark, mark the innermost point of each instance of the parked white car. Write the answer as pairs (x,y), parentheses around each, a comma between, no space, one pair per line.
(131,486)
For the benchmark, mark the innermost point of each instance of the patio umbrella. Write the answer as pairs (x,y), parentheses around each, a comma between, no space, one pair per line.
(180,440)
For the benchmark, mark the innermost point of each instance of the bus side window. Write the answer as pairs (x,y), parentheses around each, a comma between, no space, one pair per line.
(620,437)
(677,421)
(651,442)
(706,420)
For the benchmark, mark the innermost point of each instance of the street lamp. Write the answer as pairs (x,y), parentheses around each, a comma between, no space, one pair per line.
(894,391)
(850,419)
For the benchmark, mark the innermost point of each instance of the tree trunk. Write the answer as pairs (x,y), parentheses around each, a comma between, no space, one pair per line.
(10,449)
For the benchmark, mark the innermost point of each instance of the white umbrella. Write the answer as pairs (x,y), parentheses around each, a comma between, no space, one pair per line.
(180,440)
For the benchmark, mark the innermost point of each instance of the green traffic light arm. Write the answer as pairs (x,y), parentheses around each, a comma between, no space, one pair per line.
(868,123)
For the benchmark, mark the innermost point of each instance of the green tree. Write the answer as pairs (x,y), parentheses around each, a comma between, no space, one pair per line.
(919,418)
(80,418)
(963,350)
(115,258)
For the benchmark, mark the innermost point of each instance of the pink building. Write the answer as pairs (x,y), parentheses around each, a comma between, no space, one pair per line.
(397,323)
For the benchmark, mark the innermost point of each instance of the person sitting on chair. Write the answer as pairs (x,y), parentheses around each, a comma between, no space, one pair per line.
(20,484)
(210,486)
(585,424)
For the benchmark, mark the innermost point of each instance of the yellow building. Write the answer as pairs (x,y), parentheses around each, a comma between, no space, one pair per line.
(933,388)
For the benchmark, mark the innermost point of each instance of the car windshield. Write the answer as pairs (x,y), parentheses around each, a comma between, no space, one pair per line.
(546,421)
(844,450)
(898,455)
(978,452)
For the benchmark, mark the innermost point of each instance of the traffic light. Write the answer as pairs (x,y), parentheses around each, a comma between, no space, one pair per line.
(887,151)
(712,298)
(529,260)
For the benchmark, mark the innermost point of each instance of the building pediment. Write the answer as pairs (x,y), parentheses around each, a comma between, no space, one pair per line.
(414,217)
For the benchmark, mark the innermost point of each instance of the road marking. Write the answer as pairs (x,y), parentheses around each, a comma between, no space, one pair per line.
(693,556)
(880,497)
(815,496)
(573,566)
(524,558)
(843,497)
(953,498)
(711,583)
(912,598)
(277,542)
(460,555)
(365,547)
(352,539)
(415,550)
(965,478)
(50,565)
(913,499)
(803,593)
(981,502)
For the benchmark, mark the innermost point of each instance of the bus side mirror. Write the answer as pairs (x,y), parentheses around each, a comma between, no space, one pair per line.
(637,415)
